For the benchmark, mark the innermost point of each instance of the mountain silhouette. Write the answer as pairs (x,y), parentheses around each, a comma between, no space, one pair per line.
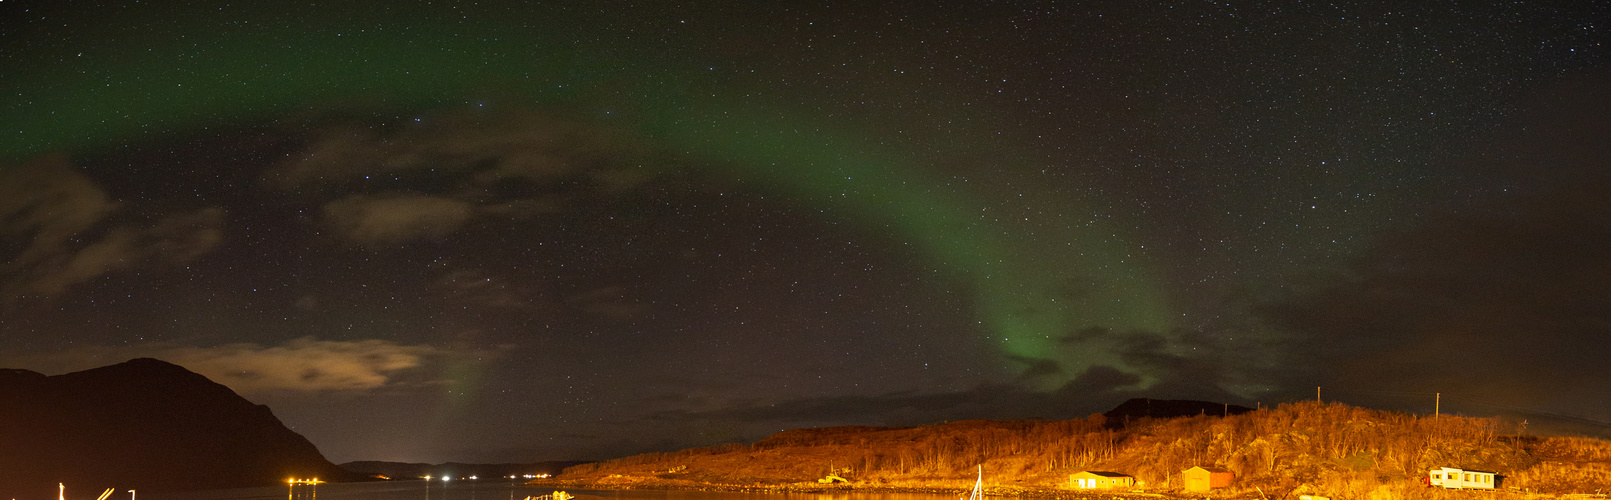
(144,424)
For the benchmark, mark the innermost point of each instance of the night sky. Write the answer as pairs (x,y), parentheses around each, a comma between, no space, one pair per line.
(505,231)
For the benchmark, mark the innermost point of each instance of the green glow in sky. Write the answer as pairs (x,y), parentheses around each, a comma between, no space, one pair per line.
(1036,276)
(1035,281)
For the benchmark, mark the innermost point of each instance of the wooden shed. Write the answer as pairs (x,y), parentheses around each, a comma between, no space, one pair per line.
(1100,480)
(1205,478)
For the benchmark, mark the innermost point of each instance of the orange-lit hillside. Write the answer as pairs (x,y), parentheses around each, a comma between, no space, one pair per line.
(1332,449)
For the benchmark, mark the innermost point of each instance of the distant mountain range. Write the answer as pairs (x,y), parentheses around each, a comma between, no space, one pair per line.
(144,424)
(402,470)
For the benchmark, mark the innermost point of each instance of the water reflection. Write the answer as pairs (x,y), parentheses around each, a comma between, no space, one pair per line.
(504,490)
(300,490)
(725,495)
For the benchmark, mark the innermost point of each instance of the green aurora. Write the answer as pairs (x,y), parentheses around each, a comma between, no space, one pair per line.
(1036,280)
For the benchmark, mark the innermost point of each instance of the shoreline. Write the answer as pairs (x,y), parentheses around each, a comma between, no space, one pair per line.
(677,485)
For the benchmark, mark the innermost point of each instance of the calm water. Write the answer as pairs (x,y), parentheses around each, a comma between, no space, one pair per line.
(497,490)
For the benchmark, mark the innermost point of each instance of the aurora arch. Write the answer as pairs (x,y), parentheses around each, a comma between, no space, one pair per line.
(1034,282)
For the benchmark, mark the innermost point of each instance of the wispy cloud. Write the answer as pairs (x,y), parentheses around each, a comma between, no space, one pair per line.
(376,220)
(44,204)
(304,364)
(425,179)
(59,222)
(489,147)
(301,365)
(176,239)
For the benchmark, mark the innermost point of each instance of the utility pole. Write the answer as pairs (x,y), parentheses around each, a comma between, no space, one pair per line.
(1437,405)
(1317,394)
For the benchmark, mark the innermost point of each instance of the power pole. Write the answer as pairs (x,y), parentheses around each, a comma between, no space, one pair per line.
(1437,405)
(1317,394)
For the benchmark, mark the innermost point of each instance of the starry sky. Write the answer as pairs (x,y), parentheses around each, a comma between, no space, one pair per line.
(508,231)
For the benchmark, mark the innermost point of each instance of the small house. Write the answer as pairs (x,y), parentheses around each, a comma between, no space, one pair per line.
(1205,478)
(1100,480)
(1460,479)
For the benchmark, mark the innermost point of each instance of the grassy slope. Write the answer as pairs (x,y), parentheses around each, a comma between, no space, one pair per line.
(1333,449)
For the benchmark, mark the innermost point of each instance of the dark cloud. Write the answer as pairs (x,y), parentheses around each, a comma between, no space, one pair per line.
(1037,367)
(986,401)
(1100,382)
(1086,334)
(1206,364)
(1491,304)
(1506,302)
(1096,390)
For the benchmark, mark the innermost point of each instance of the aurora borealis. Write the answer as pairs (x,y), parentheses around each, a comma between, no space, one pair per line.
(507,231)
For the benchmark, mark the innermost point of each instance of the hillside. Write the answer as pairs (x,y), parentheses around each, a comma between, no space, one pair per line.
(143,424)
(1332,449)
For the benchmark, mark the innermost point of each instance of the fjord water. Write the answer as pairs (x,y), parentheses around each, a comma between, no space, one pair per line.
(495,490)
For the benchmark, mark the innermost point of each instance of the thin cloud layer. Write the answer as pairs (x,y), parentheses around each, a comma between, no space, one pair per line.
(429,177)
(59,229)
(301,365)
(174,240)
(47,203)
(490,145)
(378,220)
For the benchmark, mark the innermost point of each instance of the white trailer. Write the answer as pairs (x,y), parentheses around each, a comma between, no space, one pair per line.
(1461,479)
